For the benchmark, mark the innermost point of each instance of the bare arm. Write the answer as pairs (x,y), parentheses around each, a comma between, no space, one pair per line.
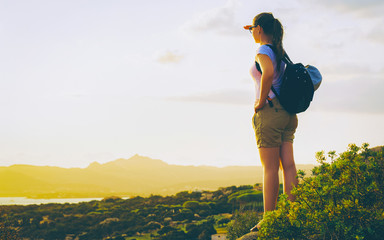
(266,79)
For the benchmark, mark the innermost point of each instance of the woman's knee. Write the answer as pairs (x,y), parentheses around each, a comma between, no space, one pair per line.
(271,169)
(289,167)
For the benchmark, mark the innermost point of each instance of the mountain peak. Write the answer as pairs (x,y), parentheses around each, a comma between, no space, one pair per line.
(134,161)
(94,165)
(142,160)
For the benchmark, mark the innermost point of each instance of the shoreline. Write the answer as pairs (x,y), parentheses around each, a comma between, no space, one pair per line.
(6,201)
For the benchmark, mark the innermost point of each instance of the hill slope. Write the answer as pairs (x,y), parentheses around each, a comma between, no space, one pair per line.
(137,175)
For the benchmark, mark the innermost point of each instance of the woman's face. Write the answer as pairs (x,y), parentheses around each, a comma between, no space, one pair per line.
(256,33)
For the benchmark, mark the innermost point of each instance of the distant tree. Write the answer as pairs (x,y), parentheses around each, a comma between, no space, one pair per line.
(54,234)
(165,230)
(193,231)
(7,232)
(204,235)
(175,235)
(192,205)
(182,195)
(119,238)
(184,214)
(152,226)
(208,229)
(155,199)
(223,221)
(185,195)
(234,196)
(203,230)
(111,199)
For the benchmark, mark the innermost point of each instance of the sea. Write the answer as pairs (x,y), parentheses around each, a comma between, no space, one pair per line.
(29,201)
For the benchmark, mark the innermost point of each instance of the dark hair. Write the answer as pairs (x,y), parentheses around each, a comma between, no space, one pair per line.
(272,26)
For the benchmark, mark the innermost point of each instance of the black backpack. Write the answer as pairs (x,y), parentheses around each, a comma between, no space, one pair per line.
(297,89)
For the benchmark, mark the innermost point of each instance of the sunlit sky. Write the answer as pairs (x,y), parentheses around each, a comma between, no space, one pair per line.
(84,81)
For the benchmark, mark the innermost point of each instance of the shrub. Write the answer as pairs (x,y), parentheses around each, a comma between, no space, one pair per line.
(8,233)
(192,205)
(111,199)
(223,221)
(242,223)
(201,231)
(344,199)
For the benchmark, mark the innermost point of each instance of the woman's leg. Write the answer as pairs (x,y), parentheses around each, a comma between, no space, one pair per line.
(270,161)
(289,168)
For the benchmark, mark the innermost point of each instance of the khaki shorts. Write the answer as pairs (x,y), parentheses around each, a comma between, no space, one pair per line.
(274,125)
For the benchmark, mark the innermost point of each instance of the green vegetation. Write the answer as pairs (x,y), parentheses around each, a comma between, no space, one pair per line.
(242,222)
(185,216)
(343,199)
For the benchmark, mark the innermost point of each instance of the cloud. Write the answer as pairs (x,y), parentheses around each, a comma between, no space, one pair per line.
(77,95)
(368,14)
(377,33)
(339,71)
(366,8)
(219,20)
(360,94)
(168,56)
(236,97)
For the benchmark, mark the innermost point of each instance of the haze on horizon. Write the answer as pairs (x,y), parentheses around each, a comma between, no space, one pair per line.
(84,81)
(123,177)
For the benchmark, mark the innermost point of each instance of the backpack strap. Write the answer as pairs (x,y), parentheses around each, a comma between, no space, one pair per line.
(286,60)
(275,92)
(272,88)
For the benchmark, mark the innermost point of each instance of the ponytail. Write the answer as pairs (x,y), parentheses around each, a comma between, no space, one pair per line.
(272,26)
(277,40)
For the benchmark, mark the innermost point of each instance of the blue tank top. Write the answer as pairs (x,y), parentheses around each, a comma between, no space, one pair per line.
(277,75)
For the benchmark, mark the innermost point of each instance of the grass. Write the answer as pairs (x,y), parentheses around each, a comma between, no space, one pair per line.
(221,230)
(143,237)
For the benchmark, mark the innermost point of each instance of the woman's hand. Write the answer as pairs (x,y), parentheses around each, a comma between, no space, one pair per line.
(258,106)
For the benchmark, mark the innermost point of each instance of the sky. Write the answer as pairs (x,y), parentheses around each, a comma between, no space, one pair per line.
(84,81)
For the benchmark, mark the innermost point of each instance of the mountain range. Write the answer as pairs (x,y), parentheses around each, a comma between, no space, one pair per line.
(137,175)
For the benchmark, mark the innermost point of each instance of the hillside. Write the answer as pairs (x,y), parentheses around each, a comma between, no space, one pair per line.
(183,216)
(137,175)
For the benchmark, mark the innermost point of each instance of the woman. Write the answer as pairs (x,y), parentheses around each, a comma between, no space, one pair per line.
(274,127)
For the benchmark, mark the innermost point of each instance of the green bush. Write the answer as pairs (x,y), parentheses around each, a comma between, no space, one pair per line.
(343,199)
(192,205)
(242,223)
(8,233)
